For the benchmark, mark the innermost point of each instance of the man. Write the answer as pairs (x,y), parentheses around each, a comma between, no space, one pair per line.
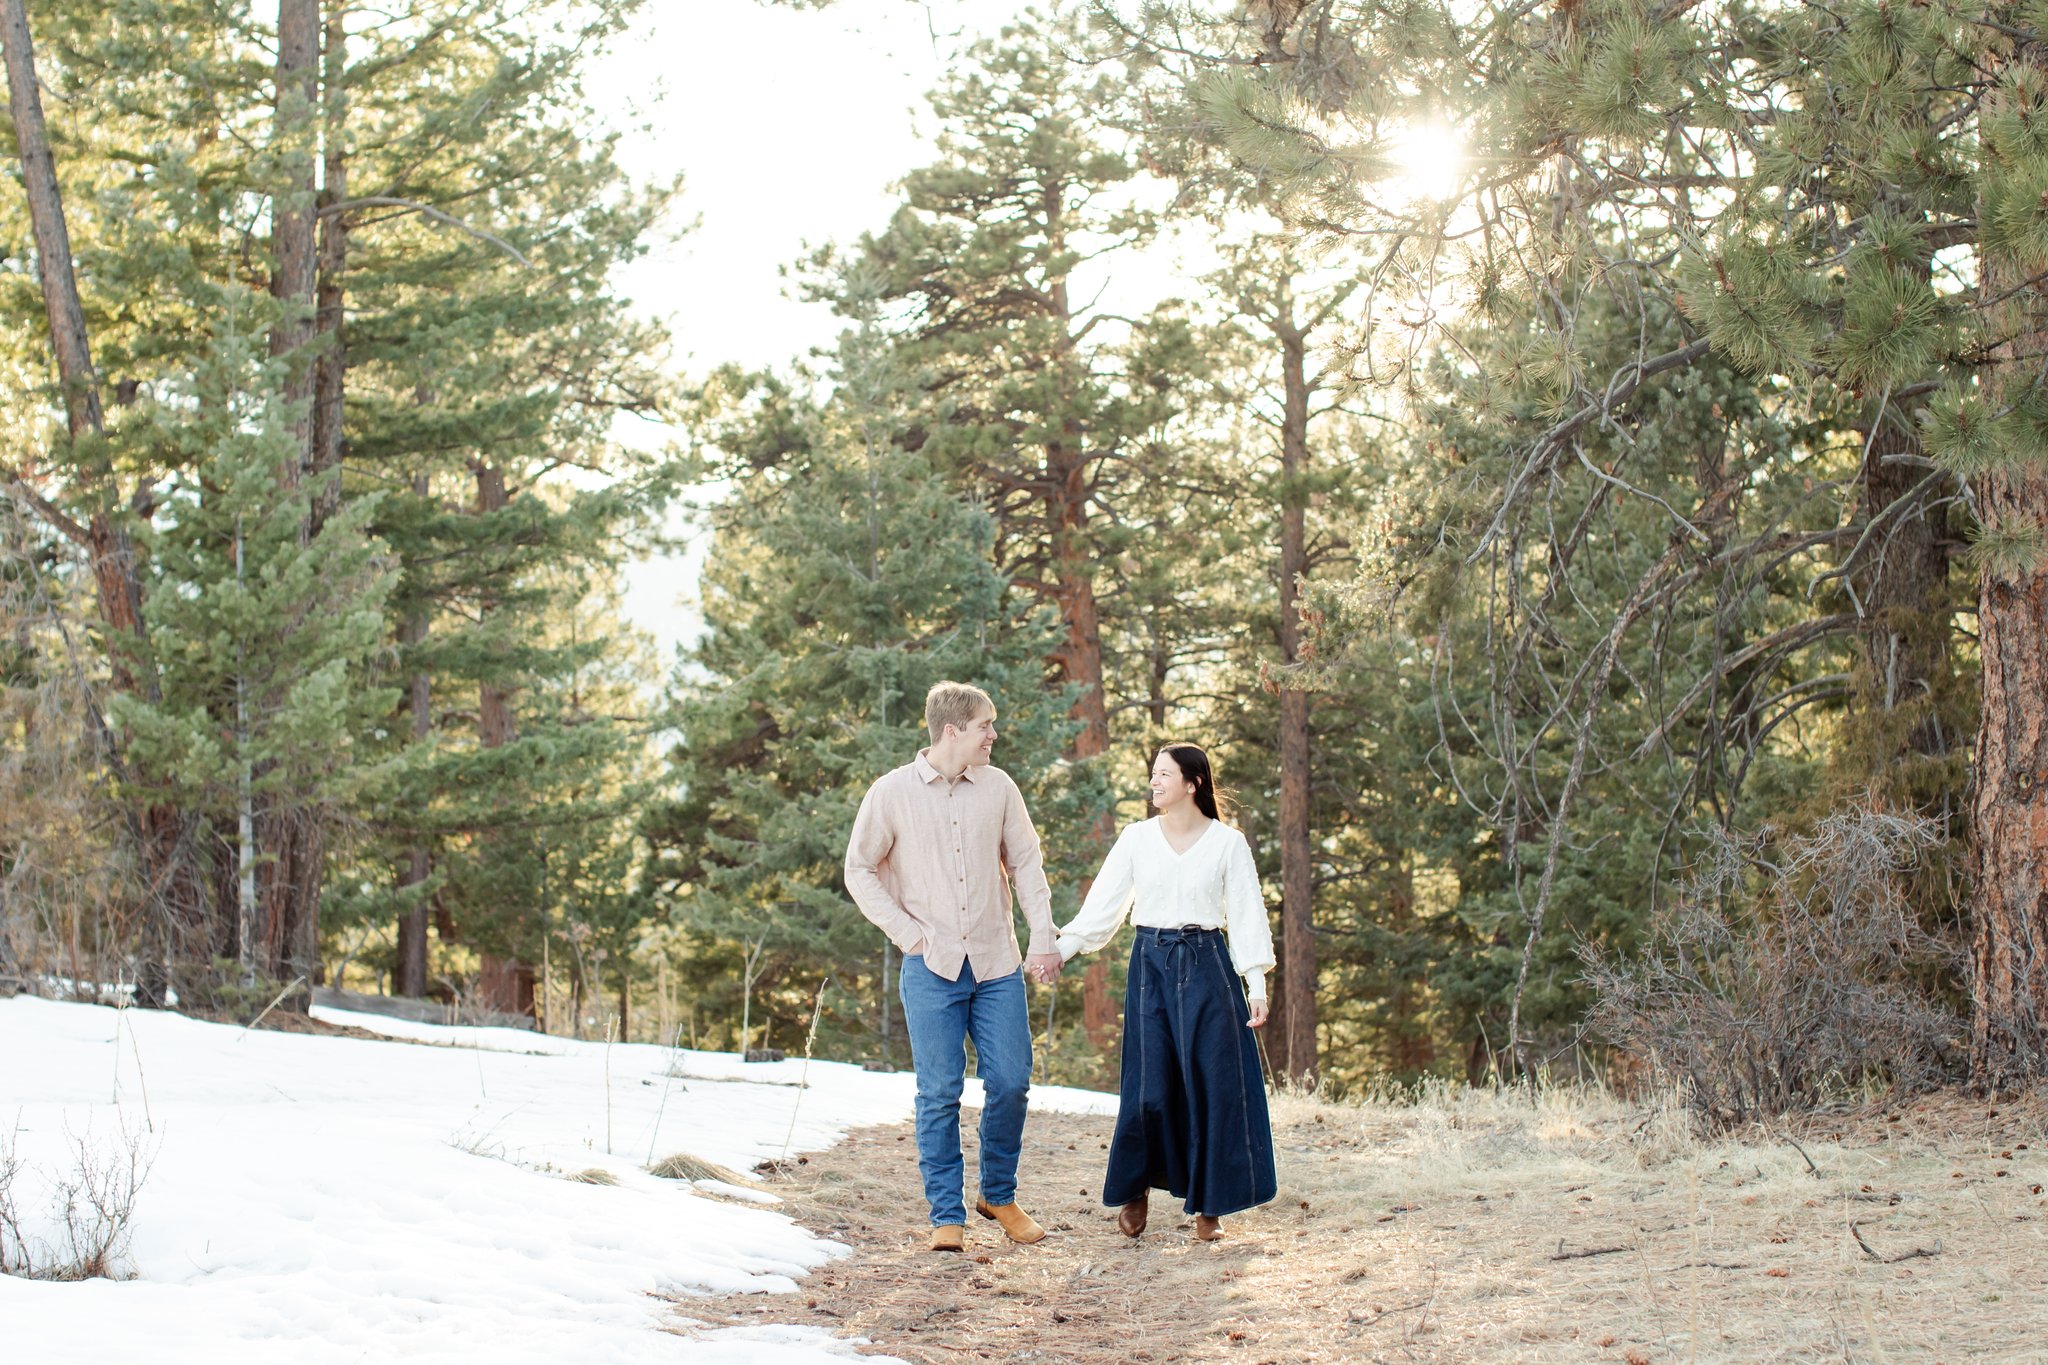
(936,849)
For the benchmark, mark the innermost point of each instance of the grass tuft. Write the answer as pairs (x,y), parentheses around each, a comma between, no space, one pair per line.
(683,1166)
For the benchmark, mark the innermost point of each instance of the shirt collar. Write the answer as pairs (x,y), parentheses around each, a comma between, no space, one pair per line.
(922,765)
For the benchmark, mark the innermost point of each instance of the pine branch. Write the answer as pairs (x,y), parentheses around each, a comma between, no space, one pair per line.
(12,481)
(1620,388)
(414,206)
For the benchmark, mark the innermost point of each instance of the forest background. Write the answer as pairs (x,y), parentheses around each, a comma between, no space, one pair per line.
(1589,500)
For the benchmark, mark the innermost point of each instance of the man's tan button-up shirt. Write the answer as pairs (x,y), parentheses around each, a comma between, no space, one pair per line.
(933,861)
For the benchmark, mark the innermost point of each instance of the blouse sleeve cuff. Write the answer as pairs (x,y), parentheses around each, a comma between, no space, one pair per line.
(1068,945)
(1255,984)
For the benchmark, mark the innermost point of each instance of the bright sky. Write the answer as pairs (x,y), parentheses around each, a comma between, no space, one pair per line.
(788,127)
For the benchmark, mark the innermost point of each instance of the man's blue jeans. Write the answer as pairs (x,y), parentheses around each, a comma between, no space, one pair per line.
(942,1015)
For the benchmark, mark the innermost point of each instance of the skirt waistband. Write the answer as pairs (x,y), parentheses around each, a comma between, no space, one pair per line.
(1185,931)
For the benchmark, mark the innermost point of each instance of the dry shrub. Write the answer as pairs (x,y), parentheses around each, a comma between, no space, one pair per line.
(1771,987)
(594,1175)
(91,1211)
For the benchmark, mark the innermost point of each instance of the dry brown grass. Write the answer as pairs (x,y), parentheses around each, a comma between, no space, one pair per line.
(683,1166)
(1458,1225)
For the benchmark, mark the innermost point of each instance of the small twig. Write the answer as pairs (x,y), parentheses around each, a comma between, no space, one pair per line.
(666,1081)
(141,1079)
(120,1013)
(610,1025)
(803,1080)
(1871,1252)
(289,987)
(1422,1322)
(1807,1159)
(1563,1255)
(1383,1313)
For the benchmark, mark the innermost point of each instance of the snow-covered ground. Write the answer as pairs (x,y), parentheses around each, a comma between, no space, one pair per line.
(362,1201)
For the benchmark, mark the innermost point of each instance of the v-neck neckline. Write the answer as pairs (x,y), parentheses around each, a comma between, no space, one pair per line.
(1167,839)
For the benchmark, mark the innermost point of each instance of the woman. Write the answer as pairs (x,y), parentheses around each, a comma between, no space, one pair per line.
(1192,1117)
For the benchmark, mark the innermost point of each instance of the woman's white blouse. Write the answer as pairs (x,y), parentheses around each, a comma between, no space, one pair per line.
(1214,884)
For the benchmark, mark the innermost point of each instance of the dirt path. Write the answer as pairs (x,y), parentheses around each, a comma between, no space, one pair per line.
(1472,1230)
(1084,1293)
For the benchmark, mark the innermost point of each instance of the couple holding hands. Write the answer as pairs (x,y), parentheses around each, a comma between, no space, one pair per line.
(936,851)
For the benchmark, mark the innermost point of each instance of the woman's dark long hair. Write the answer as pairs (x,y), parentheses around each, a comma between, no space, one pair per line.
(1196,768)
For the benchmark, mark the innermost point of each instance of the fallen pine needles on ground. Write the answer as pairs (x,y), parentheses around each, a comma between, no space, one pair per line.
(1450,1224)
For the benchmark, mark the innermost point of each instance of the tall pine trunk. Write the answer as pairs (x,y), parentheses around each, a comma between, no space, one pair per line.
(294,214)
(2009,826)
(1079,658)
(1906,672)
(1297,871)
(291,833)
(410,973)
(1412,1051)
(329,313)
(174,890)
(506,984)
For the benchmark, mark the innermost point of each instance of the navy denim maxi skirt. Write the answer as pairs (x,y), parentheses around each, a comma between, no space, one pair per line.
(1192,1112)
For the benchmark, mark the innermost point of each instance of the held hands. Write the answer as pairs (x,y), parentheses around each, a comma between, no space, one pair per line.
(1044,968)
(1257,1006)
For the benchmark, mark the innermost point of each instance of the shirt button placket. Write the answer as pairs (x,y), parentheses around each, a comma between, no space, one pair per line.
(959,867)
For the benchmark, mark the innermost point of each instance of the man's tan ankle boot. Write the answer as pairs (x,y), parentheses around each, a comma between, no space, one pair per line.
(1017,1223)
(949,1237)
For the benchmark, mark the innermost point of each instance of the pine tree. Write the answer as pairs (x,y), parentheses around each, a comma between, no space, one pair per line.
(983,252)
(1995,434)
(262,646)
(236,302)
(487,354)
(847,577)
(1027,403)
(1611,144)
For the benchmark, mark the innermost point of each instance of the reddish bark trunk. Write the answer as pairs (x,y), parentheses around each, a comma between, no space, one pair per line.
(1079,660)
(409,971)
(293,839)
(1297,871)
(2009,827)
(1413,1052)
(2010,819)
(293,214)
(506,983)
(290,834)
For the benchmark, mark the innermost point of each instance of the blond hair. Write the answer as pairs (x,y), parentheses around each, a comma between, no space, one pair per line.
(952,703)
